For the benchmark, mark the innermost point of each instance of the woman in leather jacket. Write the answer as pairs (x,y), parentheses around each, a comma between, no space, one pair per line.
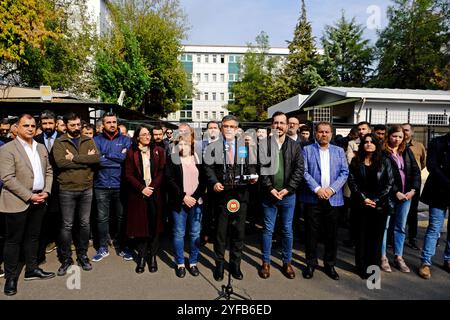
(370,181)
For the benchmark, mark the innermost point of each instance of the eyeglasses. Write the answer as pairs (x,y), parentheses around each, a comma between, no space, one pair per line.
(144,134)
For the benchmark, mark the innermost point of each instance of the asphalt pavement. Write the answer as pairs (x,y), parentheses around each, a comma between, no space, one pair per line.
(113,278)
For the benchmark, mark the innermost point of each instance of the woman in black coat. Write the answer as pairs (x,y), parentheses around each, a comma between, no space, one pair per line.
(187,185)
(370,180)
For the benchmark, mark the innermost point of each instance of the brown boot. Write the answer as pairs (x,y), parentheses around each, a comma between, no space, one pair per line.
(288,271)
(264,272)
(425,271)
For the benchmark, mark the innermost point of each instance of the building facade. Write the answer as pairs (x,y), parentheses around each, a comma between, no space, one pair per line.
(213,71)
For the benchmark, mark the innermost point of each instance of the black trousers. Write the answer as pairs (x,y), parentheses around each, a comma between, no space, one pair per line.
(321,218)
(370,225)
(230,226)
(147,246)
(412,217)
(22,233)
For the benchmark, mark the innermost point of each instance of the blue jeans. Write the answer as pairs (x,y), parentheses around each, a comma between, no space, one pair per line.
(401,216)
(108,199)
(194,217)
(75,204)
(436,220)
(270,206)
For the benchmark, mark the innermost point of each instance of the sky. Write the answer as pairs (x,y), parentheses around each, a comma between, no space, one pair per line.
(238,22)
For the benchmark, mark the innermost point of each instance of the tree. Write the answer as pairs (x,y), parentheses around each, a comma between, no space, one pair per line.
(302,61)
(413,49)
(64,62)
(252,94)
(121,67)
(347,56)
(158,26)
(23,24)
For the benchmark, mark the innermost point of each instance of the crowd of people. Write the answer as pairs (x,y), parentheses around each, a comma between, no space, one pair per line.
(67,185)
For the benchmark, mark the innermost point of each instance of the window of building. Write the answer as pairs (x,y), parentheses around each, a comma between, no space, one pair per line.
(198,75)
(206,96)
(197,96)
(206,77)
(186,57)
(214,79)
(214,115)
(232,77)
(222,77)
(231,59)
(222,96)
(206,58)
(231,96)
(214,58)
(189,114)
(199,58)
(222,58)
(205,115)
(214,96)
(222,114)
(197,115)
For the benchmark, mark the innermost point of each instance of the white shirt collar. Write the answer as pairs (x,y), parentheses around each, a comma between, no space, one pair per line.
(25,144)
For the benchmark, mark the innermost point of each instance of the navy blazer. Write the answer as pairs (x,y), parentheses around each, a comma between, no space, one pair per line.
(338,174)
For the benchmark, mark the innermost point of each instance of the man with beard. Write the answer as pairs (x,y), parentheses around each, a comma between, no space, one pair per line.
(49,231)
(158,138)
(5,127)
(75,156)
(113,147)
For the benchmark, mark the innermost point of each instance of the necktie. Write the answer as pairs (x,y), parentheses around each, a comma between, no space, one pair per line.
(230,155)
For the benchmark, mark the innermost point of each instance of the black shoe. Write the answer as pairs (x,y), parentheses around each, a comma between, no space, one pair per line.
(218,271)
(38,274)
(236,272)
(152,264)
(331,272)
(10,287)
(308,272)
(83,262)
(180,272)
(194,271)
(64,266)
(140,268)
(412,245)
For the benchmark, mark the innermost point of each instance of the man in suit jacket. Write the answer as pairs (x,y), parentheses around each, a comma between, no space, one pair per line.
(27,177)
(326,172)
(51,222)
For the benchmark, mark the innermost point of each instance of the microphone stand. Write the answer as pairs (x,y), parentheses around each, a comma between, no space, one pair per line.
(227,291)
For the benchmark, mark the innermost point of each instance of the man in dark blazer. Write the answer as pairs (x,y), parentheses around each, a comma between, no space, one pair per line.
(326,172)
(51,222)
(436,193)
(227,161)
(27,177)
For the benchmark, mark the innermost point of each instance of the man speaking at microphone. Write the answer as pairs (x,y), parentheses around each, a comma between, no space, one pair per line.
(229,170)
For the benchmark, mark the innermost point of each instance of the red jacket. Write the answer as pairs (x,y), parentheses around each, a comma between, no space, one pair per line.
(139,223)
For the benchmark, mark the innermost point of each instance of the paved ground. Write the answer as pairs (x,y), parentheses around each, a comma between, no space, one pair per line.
(114,278)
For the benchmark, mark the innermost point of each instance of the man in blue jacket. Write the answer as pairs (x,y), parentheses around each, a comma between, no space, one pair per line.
(326,172)
(113,148)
